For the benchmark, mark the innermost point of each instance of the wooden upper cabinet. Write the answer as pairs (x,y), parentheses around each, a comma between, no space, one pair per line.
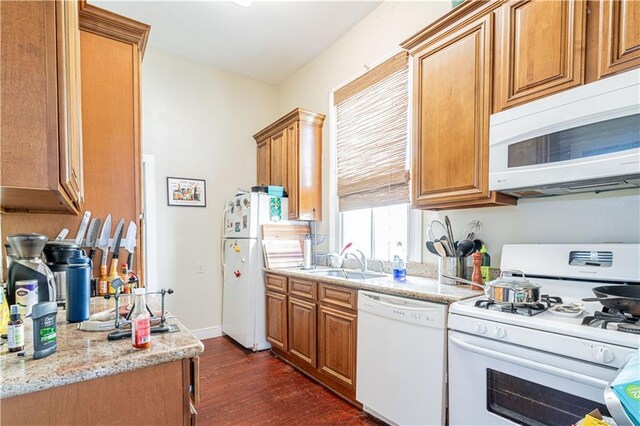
(264,160)
(614,37)
(70,107)
(539,49)
(41,134)
(290,154)
(452,86)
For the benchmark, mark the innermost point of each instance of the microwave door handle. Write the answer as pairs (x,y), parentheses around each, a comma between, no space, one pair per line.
(575,377)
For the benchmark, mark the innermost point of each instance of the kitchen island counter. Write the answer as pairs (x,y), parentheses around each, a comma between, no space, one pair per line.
(90,380)
(421,288)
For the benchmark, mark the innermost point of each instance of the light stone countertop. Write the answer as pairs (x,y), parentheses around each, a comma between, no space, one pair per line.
(84,355)
(421,288)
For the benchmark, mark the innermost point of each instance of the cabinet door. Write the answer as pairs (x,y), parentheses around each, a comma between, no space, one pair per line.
(263,163)
(278,159)
(277,320)
(302,331)
(452,81)
(540,49)
(69,100)
(293,177)
(619,36)
(337,345)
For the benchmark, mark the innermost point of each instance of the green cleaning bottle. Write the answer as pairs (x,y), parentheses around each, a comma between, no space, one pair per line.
(485,269)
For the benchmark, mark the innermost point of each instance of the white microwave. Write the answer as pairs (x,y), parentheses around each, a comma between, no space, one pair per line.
(585,139)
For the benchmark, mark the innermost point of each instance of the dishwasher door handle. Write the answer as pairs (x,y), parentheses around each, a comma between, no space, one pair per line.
(569,375)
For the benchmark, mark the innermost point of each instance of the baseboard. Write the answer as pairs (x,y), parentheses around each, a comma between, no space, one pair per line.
(207,332)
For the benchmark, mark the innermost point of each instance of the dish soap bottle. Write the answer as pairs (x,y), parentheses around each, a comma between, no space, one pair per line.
(4,311)
(399,263)
(486,265)
(140,321)
(15,330)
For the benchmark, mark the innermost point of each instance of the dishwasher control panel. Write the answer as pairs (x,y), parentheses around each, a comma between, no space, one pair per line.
(403,309)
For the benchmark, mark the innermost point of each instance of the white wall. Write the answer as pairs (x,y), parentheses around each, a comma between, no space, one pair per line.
(198,122)
(372,40)
(580,218)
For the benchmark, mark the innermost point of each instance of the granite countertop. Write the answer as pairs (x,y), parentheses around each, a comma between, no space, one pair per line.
(421,288)
(84,355)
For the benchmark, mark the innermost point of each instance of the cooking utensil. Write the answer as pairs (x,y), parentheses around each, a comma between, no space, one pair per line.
(346,248)
(508,289)
(472,229)
(438,231)
(431,248)
(624,298)
(103,242)
(464,248)
(62,234)
(83,227)
(439,247)
(447,222)
(130,243)
(477,245)
(92,236)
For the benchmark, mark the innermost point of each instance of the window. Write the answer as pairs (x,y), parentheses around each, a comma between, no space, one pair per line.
(372,167)
(376,231)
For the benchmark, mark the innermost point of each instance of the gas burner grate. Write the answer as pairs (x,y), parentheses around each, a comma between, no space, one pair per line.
(529,310)
(626,323)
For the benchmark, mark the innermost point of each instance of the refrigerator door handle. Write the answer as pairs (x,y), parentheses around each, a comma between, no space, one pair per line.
(222,244)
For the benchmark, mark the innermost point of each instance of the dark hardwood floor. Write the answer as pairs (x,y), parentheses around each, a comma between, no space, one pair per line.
(239,387)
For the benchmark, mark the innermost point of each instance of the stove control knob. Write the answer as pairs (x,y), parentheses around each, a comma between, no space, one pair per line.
(499,332)
(480,327)
(603,354)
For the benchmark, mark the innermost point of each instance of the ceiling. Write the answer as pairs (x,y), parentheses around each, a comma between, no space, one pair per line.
(267,41)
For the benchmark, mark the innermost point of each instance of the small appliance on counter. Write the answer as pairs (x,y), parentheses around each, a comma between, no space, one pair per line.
(57,255)
(29,266)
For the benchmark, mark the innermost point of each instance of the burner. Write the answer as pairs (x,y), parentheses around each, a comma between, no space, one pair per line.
(629,328)
(626,323)
(529,310)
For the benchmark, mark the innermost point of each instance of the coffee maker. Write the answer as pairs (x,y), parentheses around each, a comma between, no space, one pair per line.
(57,254)
(29,266)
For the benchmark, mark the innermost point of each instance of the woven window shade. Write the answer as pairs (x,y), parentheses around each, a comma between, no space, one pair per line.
(372,139)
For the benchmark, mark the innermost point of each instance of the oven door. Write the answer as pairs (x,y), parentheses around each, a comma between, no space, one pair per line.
(496,383)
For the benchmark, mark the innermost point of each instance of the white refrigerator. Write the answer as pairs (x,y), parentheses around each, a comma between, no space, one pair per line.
(243,297)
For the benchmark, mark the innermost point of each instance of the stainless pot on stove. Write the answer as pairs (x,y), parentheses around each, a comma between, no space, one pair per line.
(508,289)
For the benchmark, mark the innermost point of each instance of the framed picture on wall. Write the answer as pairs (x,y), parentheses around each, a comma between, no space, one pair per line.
(186,192)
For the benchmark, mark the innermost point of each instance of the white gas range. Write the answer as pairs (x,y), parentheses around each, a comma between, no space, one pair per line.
(532,367)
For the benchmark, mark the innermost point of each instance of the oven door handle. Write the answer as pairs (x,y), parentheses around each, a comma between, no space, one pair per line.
(575,377)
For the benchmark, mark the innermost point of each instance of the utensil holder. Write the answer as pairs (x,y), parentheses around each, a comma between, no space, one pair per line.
(456,266)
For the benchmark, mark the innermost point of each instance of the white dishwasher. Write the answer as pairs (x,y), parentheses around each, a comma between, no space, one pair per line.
(401,359)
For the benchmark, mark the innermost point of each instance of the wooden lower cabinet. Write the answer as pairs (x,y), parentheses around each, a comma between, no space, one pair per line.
(337,345)
(313,327)
(277,320)
(164,394)
(302,331)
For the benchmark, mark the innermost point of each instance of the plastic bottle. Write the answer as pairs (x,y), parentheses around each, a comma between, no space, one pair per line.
(486,264)
(103,285)
(399,263)
(15,330)
(140,321)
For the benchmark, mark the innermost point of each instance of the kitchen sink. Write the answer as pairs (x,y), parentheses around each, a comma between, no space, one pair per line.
(348,274)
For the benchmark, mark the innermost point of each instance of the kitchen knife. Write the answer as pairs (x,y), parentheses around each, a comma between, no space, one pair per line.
(62,234)
(83,227)
(117,239)
(103,242)
(130,244)
(92,236)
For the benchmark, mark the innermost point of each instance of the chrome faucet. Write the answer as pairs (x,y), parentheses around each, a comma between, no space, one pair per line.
(362,259)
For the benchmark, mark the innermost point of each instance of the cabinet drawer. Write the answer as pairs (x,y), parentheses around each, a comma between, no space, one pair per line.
(303,288)
(276,283)
(338,296)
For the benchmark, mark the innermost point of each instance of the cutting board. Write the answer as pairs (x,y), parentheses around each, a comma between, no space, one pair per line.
(282,253)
